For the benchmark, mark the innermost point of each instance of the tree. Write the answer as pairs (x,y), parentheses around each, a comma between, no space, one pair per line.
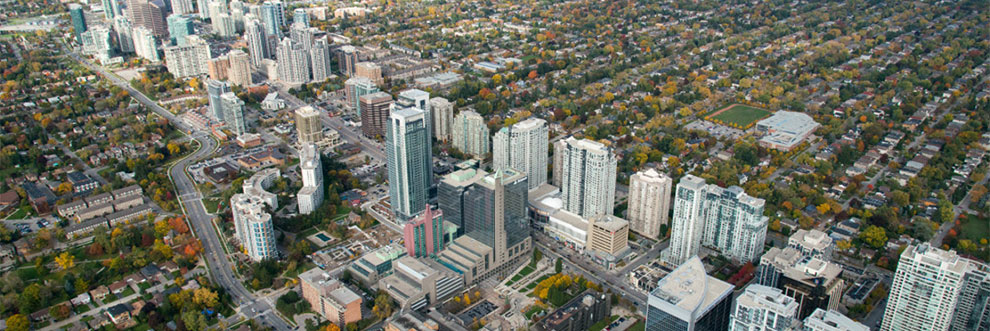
(205,297)
(843,244)
(64,188)
(559,266)
(331,327)
(65,260)
(17,322)
(383,305)
(60,312)
(874,236)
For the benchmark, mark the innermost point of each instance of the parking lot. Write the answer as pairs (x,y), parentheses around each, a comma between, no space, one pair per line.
(717,130)
(32,224)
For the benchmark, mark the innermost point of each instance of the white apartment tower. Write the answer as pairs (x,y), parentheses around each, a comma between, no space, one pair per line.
(311,195)
(189,60)
(257,42)
(688,223)
(925,291)
(764,308)
(523,146)
(145,44)
(253,226)
(586,169)
(471,134)
(725,219)
(830,320)
(649,202)
(233,108)
(320,60)
(443,116)
(293,62)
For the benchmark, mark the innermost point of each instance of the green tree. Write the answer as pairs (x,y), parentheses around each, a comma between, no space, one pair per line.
(559,266)
(874,236)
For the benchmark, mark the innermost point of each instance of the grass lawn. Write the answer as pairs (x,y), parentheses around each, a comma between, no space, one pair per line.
(741,115)
(533,311)
(144,286)
(126,292)
(21,213)
(306,233)
(639,326)
(603,323)
(82,309)
(211,204)
(975,228)
(526,271)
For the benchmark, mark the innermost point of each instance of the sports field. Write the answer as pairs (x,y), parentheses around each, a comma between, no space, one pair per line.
(738,116)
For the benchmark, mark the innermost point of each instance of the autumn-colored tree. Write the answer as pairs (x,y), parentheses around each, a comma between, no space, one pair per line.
(331,327)
(874,236)
(65,260)
(205,297)
(17,322)
(63,188)
(533,74)
(843,244)
(178,224)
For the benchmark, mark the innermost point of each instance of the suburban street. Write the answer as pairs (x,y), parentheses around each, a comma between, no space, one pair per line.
(220,267)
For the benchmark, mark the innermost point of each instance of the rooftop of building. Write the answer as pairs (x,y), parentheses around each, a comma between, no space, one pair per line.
(756,295)
(383,254)
(611,223)
(464,177)
(588,145)
(507,176)
(789,122)
(942,259)
(307,111)
(651,175)
(811,238)
(825,320)
(690,288)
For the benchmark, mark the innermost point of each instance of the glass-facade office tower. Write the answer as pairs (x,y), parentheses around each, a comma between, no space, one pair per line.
(215,89)
(273,17)
(410,162)
(78,20)
(687,299)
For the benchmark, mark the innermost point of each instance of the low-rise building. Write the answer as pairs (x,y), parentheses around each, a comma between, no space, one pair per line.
(94,211)
(417,283)
(785,130)
(330,298)
(374,265)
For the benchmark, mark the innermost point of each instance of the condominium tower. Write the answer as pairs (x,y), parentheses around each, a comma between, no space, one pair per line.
(471,134)
(410,162)
(523,146)
(586,169)
(649,202)
(308,125)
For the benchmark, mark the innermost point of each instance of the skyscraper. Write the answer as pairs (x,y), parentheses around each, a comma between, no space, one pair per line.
(146,44)
(215,8)
(311,195)
(273,17)
(419,99)
(308,125)
(734,223)
(687,299)
(234,113)
(180,7)
(215,89)
(348,59)
(450,194)
(973,306)
(237,11)
(443,116)
(687,224)
(300,16)
(111,9)
(410,162)
(369,70)
(149,14)
(189,60)
(293,62)
(523,146)
(587,172)
(649,202)
(320,59)
(179,27)
(240,68)
(303,35)
(471,134)
(253,226)
(98,42)
(926,290)
(375,113)
(762,308)
(257,41)
(496,236)
(725,219)
(125,34)
(203,8)
(355,88)
(78,20)
(223,25)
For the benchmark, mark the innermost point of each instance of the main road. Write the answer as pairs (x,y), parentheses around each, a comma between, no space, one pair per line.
(217,261)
